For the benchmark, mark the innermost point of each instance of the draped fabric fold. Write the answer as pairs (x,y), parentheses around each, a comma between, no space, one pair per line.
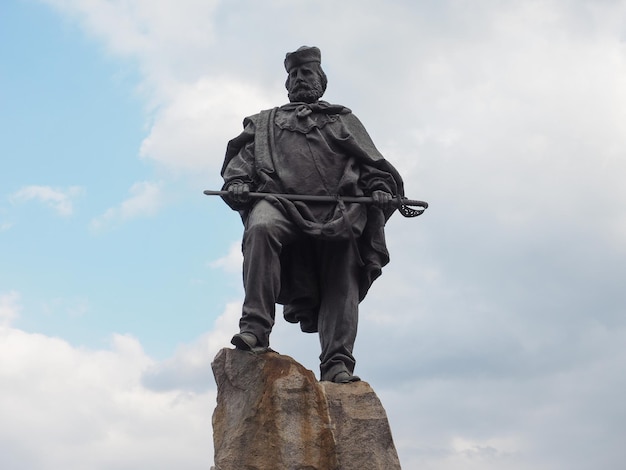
(334,155)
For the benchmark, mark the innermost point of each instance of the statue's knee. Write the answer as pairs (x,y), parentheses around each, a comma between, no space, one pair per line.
(262,229)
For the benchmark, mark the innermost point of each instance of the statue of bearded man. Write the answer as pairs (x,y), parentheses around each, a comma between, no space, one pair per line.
(316,259)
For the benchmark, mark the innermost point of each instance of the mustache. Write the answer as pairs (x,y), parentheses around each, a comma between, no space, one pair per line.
(302,85)
(302,90)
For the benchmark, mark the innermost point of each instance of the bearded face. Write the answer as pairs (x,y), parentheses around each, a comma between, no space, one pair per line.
(305,83)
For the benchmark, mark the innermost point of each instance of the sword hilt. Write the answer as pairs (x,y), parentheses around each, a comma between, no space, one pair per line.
(404,207)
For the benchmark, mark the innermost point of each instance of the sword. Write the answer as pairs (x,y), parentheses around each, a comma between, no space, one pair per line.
(404,205)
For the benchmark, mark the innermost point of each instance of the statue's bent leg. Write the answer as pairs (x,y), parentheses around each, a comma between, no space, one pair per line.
(267,230)
(338,316)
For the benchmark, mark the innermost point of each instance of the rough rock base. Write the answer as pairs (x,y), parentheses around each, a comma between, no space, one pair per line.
(272,414)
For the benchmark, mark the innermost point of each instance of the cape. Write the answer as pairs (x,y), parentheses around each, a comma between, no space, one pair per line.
(250,158)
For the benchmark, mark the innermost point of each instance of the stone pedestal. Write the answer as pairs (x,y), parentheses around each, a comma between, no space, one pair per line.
(272,414)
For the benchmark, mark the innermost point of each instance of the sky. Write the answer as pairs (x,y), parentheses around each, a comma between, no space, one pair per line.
(496,337)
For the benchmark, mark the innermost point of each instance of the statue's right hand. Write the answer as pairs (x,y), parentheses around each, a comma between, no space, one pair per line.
(239,192)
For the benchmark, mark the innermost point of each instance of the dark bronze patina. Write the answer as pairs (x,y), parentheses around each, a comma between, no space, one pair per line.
(314,195)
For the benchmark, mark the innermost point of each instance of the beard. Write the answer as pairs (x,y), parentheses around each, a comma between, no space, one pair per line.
(307,92)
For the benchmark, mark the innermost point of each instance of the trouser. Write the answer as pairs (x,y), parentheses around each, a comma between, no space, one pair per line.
(267,231)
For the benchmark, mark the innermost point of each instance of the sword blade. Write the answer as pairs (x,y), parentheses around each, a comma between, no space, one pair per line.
(312,198)
(401,202)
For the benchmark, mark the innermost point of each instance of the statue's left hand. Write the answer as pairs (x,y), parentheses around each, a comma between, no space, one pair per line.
(382,199)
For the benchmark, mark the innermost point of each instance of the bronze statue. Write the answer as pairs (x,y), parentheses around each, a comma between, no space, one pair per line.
(317,259)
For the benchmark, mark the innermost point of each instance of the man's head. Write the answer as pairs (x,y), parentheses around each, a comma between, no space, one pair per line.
(306,80)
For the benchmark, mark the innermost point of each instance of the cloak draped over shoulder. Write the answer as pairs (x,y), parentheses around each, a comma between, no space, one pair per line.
(314,149)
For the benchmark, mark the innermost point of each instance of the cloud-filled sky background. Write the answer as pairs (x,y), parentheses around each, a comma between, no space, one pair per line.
(496,337)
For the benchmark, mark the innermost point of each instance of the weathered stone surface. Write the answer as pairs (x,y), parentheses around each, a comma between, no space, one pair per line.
(362,434)
(272,414)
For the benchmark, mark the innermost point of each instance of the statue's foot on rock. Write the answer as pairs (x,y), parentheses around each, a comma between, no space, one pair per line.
(344,377)
(247,342)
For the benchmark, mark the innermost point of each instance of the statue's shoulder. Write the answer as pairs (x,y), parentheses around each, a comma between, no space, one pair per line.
(250,126)
(253,120)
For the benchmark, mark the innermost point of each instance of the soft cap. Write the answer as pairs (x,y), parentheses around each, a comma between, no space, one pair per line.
(303,55)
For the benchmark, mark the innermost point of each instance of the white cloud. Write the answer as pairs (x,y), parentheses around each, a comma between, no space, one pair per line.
(190,367)
(9,307)
(74,408)
(548,421)
(163,35)
(61,200)
(196,106)
(196,120)
(146,198)
(118,408)
(232,262)
(496,335)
